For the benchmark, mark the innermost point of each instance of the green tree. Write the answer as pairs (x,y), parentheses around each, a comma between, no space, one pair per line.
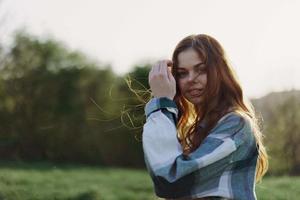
(283,138)
(58,105)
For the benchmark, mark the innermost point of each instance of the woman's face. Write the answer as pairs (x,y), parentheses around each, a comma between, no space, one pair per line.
(192,76)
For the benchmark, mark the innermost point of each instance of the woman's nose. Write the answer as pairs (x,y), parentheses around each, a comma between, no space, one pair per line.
(192,76)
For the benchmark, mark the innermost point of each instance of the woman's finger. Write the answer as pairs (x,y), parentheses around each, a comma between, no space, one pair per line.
(163,68)
(153,71)
(150,73)
(156,68)
(169,63)
(169,72)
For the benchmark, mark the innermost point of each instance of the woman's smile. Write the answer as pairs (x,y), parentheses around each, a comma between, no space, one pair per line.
(195,92)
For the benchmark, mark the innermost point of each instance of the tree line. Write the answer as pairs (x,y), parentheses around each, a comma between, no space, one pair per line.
(58,105)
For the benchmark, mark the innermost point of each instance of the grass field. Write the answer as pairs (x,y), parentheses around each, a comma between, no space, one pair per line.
(45,181)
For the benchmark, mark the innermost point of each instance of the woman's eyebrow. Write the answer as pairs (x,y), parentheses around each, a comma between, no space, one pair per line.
(198,64)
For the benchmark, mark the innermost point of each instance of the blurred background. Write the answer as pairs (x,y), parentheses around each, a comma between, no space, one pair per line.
(70,127)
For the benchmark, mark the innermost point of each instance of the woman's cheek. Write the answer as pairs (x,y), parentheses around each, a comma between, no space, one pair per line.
(182,88)
(181,85)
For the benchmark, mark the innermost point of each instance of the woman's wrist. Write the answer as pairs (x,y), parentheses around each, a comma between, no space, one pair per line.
(158,103)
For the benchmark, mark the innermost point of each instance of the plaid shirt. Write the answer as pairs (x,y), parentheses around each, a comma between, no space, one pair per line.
(223,166)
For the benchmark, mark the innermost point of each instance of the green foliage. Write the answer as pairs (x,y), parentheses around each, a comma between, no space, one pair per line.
(139,77)
(283,137)
(138,89)
(56,104)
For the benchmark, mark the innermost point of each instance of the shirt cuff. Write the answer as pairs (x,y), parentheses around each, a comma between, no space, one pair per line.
(159,103)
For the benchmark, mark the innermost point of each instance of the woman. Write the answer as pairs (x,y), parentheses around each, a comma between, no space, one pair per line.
(201,139)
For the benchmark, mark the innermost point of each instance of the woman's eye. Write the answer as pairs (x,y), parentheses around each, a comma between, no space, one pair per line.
(200,70)
(182,74)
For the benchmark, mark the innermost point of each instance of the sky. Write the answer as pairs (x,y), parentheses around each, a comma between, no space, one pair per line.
(260,37)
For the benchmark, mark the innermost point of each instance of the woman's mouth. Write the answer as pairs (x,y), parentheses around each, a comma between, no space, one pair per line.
(195,92)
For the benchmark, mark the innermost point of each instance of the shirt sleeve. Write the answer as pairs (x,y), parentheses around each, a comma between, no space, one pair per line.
(163,153)
(166,105)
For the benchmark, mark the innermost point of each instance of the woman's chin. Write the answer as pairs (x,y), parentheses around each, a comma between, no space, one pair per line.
(195,100)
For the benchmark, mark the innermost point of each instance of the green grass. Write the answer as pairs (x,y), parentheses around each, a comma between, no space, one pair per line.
(45,181)
(279,188)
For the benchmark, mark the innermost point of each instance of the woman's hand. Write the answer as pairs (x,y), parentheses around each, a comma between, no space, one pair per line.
(161,80)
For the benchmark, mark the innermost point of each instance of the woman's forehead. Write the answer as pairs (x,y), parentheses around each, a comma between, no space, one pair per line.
(188,58)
